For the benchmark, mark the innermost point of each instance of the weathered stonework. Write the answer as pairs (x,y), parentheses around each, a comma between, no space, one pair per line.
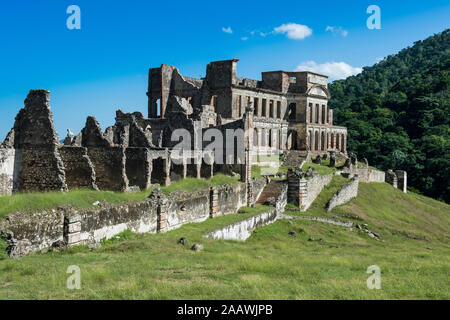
(347,193)
(302,191)
(41,167)
(80,173)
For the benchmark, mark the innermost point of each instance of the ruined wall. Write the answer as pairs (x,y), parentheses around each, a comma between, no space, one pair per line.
(187,207)
(9,170)
(80,173)
(33,232)
(242,230)
(347,193)
(370,175)
(401,180)
(109,165)
(314,186)
(26,232)
(41,166)
(138,167)
(106,222)
(231,198)
(302,191)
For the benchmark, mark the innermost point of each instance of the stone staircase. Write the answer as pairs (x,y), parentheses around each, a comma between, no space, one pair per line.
(294,158)
(272,190)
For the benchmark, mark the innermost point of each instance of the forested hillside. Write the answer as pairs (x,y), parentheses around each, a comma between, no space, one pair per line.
(398,113)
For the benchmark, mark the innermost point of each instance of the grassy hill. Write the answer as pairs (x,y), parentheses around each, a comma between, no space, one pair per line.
(413,254)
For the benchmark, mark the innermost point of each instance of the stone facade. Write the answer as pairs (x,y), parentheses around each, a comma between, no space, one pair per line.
(290,108)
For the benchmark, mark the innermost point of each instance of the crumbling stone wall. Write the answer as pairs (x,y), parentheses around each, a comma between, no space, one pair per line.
(303,191)
(138,167)
(26,232)
(231,198)
(391,178)
(110,168)
(80,173)
(41,166)
(347,193)
(366,174)
(187,207)
(9,170)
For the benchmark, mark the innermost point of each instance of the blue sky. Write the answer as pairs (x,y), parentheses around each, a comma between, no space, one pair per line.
(104,66)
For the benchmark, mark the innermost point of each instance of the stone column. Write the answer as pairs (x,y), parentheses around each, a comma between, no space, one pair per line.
(213,202)
(162,211)
(401,180)
(72,229)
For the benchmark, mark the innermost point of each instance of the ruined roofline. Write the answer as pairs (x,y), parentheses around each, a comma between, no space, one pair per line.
(297,72)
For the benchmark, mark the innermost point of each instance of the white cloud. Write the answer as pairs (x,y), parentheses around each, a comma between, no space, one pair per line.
(334,70)
(227,30)
(244,38)
(337,31)
(294,31)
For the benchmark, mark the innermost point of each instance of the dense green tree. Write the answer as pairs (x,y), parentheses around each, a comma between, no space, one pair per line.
(398,111)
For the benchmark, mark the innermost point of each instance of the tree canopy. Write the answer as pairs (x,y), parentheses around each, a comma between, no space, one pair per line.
(397,114)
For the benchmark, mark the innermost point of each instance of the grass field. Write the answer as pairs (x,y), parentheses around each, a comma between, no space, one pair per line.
(414,258)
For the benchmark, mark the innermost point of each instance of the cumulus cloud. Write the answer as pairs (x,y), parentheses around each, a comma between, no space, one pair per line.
(334,70)
(337,31)
(227,30)
(294,31)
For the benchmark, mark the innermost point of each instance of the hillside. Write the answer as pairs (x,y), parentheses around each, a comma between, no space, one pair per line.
(413,253)
(398,113)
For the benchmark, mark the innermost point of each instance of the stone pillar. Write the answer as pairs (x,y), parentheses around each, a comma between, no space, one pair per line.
(213,202)
(401,180)
(162,211)
(72,229)
(166,168)
(345,143)
(320,114)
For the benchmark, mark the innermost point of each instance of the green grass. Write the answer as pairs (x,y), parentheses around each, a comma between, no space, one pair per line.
(322,169)
(414,259)
(32,202)
(193,184)
(256,171)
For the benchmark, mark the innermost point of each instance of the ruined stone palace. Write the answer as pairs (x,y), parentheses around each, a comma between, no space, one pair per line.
(283,117)
(285,112)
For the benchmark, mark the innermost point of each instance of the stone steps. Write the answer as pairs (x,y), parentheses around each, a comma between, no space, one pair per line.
(272,190)
(294,158)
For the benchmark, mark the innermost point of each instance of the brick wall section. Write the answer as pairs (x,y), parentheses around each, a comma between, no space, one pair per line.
(347,193)
(80,173)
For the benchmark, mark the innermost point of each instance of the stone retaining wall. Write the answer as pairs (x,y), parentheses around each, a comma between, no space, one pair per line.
(347,193)
(67,226)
